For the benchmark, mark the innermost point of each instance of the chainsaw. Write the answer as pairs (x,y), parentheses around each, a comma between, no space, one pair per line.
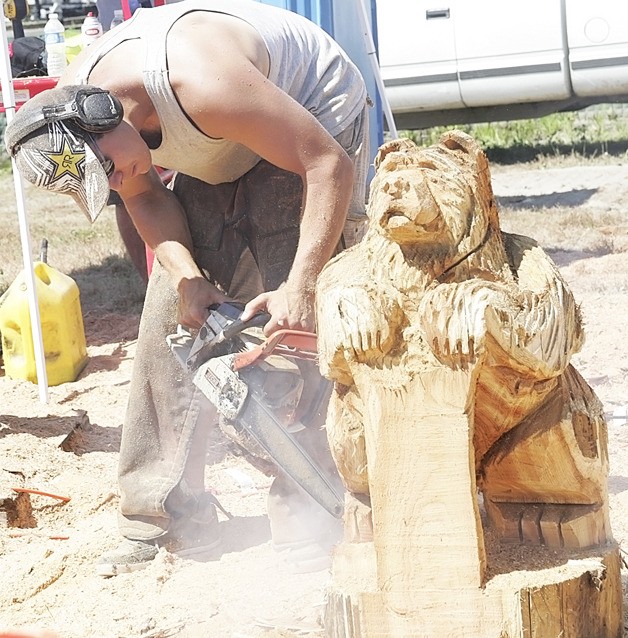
(256,385)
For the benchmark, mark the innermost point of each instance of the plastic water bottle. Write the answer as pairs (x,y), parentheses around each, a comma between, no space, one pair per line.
(118,18)
(91,29)
(54,37)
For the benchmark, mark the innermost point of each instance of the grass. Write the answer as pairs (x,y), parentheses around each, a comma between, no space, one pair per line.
(580,136)
(590,135)
(95,257)
(562,230)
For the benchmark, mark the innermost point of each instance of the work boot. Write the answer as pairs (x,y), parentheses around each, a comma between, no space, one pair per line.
(129,556)
(198,536)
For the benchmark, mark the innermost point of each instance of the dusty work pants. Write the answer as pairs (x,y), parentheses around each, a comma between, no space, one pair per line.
(163,447)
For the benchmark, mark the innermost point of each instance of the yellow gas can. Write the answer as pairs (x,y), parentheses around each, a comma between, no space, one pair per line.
(61,323)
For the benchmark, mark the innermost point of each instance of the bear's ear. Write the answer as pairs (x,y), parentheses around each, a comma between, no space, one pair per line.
(399,145)
(466,147)
(456,140)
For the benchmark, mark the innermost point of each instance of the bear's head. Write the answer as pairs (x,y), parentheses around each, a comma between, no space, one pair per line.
(437,199)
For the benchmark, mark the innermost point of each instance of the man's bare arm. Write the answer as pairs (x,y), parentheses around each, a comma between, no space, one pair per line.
(161,223)
(238,103)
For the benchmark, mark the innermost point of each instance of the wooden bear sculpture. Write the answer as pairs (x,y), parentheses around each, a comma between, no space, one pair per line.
(449,342)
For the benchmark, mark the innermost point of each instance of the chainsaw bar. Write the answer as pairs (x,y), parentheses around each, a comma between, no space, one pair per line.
(237,402)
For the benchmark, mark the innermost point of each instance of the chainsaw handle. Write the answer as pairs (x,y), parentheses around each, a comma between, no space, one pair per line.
(235,309)
(288,343)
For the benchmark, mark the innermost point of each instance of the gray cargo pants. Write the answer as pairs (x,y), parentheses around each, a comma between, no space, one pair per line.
(163,447)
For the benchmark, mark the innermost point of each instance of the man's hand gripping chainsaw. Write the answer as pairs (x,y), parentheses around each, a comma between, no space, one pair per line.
(227,363)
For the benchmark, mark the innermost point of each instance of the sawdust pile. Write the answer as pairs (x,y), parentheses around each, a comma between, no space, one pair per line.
(69,448)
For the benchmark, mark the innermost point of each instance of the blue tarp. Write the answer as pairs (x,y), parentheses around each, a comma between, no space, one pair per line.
(319,11)
(341,20)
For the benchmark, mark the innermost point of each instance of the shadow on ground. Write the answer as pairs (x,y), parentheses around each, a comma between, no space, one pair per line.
(111,286)
(530,153)
(565,199)
(564,258)
(79,436)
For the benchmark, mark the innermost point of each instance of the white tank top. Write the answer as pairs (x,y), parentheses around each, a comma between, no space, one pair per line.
(305,62)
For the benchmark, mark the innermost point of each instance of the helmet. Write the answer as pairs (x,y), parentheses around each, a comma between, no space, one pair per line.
(52,139)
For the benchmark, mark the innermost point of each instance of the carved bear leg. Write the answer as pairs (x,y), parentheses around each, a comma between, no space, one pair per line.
(544,482)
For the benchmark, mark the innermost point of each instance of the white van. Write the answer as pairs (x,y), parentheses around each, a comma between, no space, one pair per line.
(460,61)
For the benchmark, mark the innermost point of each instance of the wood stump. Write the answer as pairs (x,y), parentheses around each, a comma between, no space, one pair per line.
(474,454)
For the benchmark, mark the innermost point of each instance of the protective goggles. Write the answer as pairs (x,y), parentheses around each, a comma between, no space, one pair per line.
(107,164)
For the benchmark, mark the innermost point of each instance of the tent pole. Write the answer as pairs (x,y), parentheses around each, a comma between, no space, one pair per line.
(8,97)
(372,53)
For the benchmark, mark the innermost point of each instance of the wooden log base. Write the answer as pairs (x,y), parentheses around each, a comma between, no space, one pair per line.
(575,598)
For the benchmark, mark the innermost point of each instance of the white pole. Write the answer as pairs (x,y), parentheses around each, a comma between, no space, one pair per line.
(372,53)
(8,98)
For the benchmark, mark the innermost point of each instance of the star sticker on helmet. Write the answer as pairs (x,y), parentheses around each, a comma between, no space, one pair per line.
(66,162)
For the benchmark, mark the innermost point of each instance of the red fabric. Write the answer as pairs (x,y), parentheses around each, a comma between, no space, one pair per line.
(150,257)
(33,85)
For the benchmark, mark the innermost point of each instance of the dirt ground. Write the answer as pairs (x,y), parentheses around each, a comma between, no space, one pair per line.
(69,447)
